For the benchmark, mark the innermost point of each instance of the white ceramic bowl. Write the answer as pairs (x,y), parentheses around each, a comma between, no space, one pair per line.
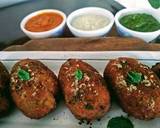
(125,32)
(55,32)
(93,33)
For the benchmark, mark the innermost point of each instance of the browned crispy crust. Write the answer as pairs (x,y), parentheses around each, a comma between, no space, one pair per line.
(156,69)
(88,98)
(34,97)
(4,84)
(141,101)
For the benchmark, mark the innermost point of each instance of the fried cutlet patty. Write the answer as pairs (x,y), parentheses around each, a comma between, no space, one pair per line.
(136,86)
(84,89)
(156,69)
(33,88)
(4,93)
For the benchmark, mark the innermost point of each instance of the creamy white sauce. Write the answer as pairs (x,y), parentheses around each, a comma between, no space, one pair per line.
(89,22)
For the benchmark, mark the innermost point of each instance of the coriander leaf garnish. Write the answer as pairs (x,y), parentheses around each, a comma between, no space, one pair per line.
(78,74)
(23,75)
(89,107)
(155,3)
(120,122)
(134,77)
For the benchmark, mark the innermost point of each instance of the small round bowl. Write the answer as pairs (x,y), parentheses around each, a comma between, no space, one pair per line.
(93,33)
(55,32)
(125,32)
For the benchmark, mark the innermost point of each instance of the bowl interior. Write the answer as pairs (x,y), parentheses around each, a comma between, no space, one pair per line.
(28,17)
(125,12)
(153,13)
(90,10)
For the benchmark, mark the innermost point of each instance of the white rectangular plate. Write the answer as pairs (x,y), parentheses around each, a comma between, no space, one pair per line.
(62,117)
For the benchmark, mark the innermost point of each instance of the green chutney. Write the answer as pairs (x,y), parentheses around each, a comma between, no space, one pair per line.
(140,22)
(120,122)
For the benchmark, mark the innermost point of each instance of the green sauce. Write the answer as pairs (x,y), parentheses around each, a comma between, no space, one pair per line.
(155,3)
(140,22)
(120,122)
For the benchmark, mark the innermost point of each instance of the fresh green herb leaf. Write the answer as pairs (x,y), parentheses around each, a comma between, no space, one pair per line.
(134,77)
(23,75)
(78,74)
(89,107)
(155,3)
(120,122)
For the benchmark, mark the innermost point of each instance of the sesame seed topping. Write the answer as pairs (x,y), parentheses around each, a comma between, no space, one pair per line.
(95,91)
(131,88)
(119,66)
(89,85)
(123,61)
(66,68)
(18,87)
(29,70)
(67,63)
(82,85)
(34,87)
(34,93)
(23,95)
(77,89)
(92,85)
(32,74)
(77,65)
(13,88)
(151,76)
(151,103)
(143,66)
(86,77)
(76,82)
(146,83)
(81,95)
(37,90)
(123,82)
(72,85)
(145,77)
(96,94)
(26,65)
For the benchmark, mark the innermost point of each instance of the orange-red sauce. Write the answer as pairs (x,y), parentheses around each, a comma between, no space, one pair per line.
(44,22)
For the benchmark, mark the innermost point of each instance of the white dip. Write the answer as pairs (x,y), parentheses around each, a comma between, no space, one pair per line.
(89,22)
